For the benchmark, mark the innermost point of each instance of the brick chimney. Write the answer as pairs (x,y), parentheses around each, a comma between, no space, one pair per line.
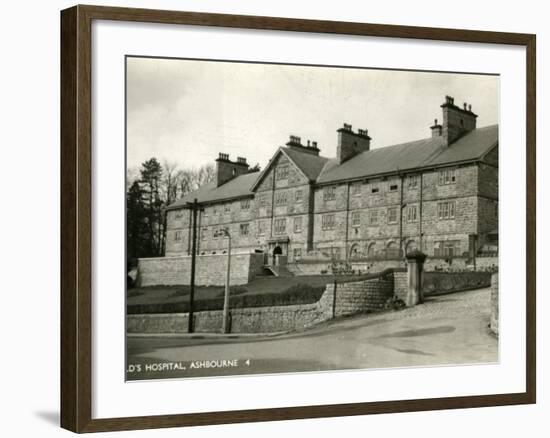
(227,169)
(295,143)
(456,121)
(350,143)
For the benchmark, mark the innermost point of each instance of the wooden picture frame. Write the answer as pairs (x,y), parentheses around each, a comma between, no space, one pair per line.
(76,217)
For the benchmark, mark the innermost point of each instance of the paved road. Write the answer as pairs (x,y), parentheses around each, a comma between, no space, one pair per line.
(449,329)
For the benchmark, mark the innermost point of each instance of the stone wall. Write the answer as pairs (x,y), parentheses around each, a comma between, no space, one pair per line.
(444,282)
(362,296)
(316,268)
(255,214)
(284,180)
(351,298)
(251,320)
(494,304)
(381,196)
(460,264)
(210,270)
(431,264)
(360,217)
(309,268)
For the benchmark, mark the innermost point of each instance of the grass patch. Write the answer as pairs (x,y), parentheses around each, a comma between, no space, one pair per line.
(261,292)
(131,293)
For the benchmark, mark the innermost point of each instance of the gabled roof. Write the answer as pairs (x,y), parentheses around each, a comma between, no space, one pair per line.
(309,164)
(472,146)
(429,152)
(238,187)
(412,155)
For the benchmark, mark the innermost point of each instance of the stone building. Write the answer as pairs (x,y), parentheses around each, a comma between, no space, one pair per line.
(438,194)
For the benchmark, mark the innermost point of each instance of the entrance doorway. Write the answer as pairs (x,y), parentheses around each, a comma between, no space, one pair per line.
(276,251)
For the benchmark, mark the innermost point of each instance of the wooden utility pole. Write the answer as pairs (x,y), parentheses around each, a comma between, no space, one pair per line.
(194,206)
(420,210)
(225,327)
(401,207)
(225,321)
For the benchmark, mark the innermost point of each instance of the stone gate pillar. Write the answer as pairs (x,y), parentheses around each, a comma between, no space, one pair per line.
(415,267)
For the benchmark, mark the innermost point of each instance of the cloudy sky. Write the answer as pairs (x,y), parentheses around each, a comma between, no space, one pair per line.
(187,111)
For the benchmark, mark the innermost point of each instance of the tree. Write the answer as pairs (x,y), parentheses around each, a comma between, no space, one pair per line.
(255,168)
(150,189)
(151,174)
(132,173)
(169,194)
(185,182)
(136,224)
(204,175)
(169,183)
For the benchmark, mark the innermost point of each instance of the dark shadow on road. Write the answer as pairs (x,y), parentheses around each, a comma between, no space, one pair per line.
(413,351)
(440,299)
(144,345)
(420,332)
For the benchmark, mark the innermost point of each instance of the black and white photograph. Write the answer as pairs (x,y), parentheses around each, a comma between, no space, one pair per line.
(287,218)
(277,219)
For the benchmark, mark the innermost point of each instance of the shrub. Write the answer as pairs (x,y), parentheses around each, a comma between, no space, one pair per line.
(129,282)
(394,303)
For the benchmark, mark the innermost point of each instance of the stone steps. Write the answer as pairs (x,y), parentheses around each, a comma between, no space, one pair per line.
(279,271)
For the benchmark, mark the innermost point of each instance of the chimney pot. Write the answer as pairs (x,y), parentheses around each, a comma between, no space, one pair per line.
(296,144)
(456,121)
(295,139)
(350,144)
(436,129)
(227,169)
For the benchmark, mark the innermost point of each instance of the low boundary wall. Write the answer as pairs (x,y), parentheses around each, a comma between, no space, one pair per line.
(458,264)
(249,320)
(350,298)
(211,270)
(362,296)
(339,299)
(445,282)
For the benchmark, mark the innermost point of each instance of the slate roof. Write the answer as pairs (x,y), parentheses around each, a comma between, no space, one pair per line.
(237,187)
(310,164)
(406,156)
(412,155)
